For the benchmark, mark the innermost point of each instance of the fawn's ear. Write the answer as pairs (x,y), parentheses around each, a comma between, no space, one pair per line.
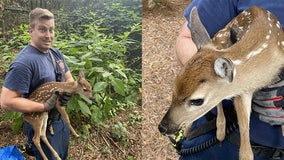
(199,34)
(224,68)
(81,75)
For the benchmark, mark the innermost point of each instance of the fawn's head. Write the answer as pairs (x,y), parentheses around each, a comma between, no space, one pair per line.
(84,87)
(205,80)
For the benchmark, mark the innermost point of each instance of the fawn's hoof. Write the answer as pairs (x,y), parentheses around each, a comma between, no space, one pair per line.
(75,134)
(248,155)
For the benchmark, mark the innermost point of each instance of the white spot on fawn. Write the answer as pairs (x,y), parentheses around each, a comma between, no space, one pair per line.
(256,52)
(237,62)
(269,19)
(278,24)
(219,35)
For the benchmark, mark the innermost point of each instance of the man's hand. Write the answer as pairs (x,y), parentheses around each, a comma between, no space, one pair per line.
(64,98)
(268,103)
(51,102)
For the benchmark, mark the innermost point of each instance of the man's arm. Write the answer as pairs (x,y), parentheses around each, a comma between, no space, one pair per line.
(69,77)
(12,100)
(185,47)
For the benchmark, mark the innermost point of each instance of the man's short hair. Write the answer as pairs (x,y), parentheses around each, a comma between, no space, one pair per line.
(39,14)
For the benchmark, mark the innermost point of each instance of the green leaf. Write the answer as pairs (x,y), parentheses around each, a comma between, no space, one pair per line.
(118,86)
(121,73)
(106,74)
(8,115)
(99,86)
(72,104)
(87,55)
(99,69)
(84,108)
(86,99)
(17,124)
(95,59)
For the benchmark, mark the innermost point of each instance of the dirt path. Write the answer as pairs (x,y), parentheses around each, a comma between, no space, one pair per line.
(160,27)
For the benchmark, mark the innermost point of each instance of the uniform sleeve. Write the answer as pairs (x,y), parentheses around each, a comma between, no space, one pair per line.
(214,14)
(18,78)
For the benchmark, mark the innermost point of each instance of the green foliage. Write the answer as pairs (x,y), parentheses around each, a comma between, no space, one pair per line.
(17,120)
(105,150)
(135,117)
(19,38)
(103,57)
(116,18)
(130,158)
(119,132)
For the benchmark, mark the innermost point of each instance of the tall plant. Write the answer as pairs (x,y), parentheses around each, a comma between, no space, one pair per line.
(103,57)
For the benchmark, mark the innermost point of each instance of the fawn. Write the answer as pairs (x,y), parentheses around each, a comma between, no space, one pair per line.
(223,69)
(38,120)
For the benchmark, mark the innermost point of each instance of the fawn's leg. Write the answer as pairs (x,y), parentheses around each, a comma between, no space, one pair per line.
(220,123)
(187,130)
(44,139)
(282,127)
(62,111)
(36,123)
(243,109)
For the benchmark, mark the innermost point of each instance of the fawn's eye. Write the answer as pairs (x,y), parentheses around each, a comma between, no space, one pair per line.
(196,102)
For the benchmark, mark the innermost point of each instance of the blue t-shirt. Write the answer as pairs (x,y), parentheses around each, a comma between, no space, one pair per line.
(31,68)
(215,15)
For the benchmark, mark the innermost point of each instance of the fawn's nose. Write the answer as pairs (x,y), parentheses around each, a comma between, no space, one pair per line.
(91,98)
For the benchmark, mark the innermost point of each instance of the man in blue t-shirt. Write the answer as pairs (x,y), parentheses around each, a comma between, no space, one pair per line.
(265,131)
(33,67)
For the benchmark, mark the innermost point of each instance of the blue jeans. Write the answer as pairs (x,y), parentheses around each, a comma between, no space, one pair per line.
(59,141)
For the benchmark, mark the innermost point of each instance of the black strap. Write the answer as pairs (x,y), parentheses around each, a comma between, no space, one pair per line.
(58,75)
(53,62)
(54,115)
